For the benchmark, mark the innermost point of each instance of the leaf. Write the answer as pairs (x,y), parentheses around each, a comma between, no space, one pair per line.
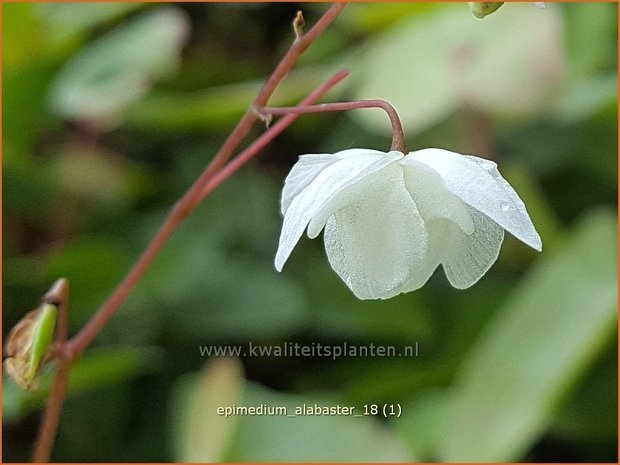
(588,97)
(217,107)
(93,265)
(118,68)
(591,30)
(200,434)
(310,438)
(370,16)
(553,326)
(508,65)
(27,67)
(423,429)
(66,20)
(591,415)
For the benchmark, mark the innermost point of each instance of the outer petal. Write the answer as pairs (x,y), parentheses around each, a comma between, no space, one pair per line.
(378,241)
(322,189)
(307,169)
(348,195)
(303,173)
(478,183)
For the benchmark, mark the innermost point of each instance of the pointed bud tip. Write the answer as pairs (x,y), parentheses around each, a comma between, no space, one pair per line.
(58,293)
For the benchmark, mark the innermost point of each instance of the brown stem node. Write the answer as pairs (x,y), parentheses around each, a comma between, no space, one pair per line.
(298,25)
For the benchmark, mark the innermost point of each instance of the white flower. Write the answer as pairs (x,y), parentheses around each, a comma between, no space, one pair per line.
(390,219)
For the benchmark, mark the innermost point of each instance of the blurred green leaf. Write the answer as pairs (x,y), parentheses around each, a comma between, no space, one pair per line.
(590,416)
(199,434)
(98,368)
(553,326)
(422,422)
(66,20)
(27,67)
(215,279)
(219,107)
(429,67)
(203,435)
(93,265)
(370,16)
(591,30)
(22,35)
(94,176)
(401,378)
(589,97)
(119,67)
(27,190)
(310,438)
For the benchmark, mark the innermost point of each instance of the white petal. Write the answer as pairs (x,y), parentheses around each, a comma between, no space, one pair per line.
(432,198)
(303,173)
(465,241)
(323,188)
(432,260)
(377,242)
(307,168)
(346,196)
(465,258)
(468,257)
(478,183)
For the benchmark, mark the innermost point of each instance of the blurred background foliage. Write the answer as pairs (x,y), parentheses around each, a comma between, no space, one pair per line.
(111,110)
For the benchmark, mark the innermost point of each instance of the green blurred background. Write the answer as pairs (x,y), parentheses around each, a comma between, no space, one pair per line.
(111,110)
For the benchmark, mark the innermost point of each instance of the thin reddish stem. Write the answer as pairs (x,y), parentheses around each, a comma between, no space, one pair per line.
(269,135)
(300,45)
(58,295)
(194,195)
(49,424)
(398,137)
(72,349)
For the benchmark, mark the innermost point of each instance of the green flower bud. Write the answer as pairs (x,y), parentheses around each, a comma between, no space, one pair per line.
(28,345)
(483,9)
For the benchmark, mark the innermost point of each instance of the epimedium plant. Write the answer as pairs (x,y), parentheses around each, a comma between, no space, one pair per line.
(390,219)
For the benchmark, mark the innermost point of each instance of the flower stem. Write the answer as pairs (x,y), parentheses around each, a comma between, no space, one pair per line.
(58,295)
(398,137)
(193,196)
(49,424)
(72,349)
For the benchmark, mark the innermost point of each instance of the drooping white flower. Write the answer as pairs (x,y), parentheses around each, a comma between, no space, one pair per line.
(390,219)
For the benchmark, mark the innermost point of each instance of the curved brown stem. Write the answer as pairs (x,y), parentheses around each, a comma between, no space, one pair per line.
(398,136)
